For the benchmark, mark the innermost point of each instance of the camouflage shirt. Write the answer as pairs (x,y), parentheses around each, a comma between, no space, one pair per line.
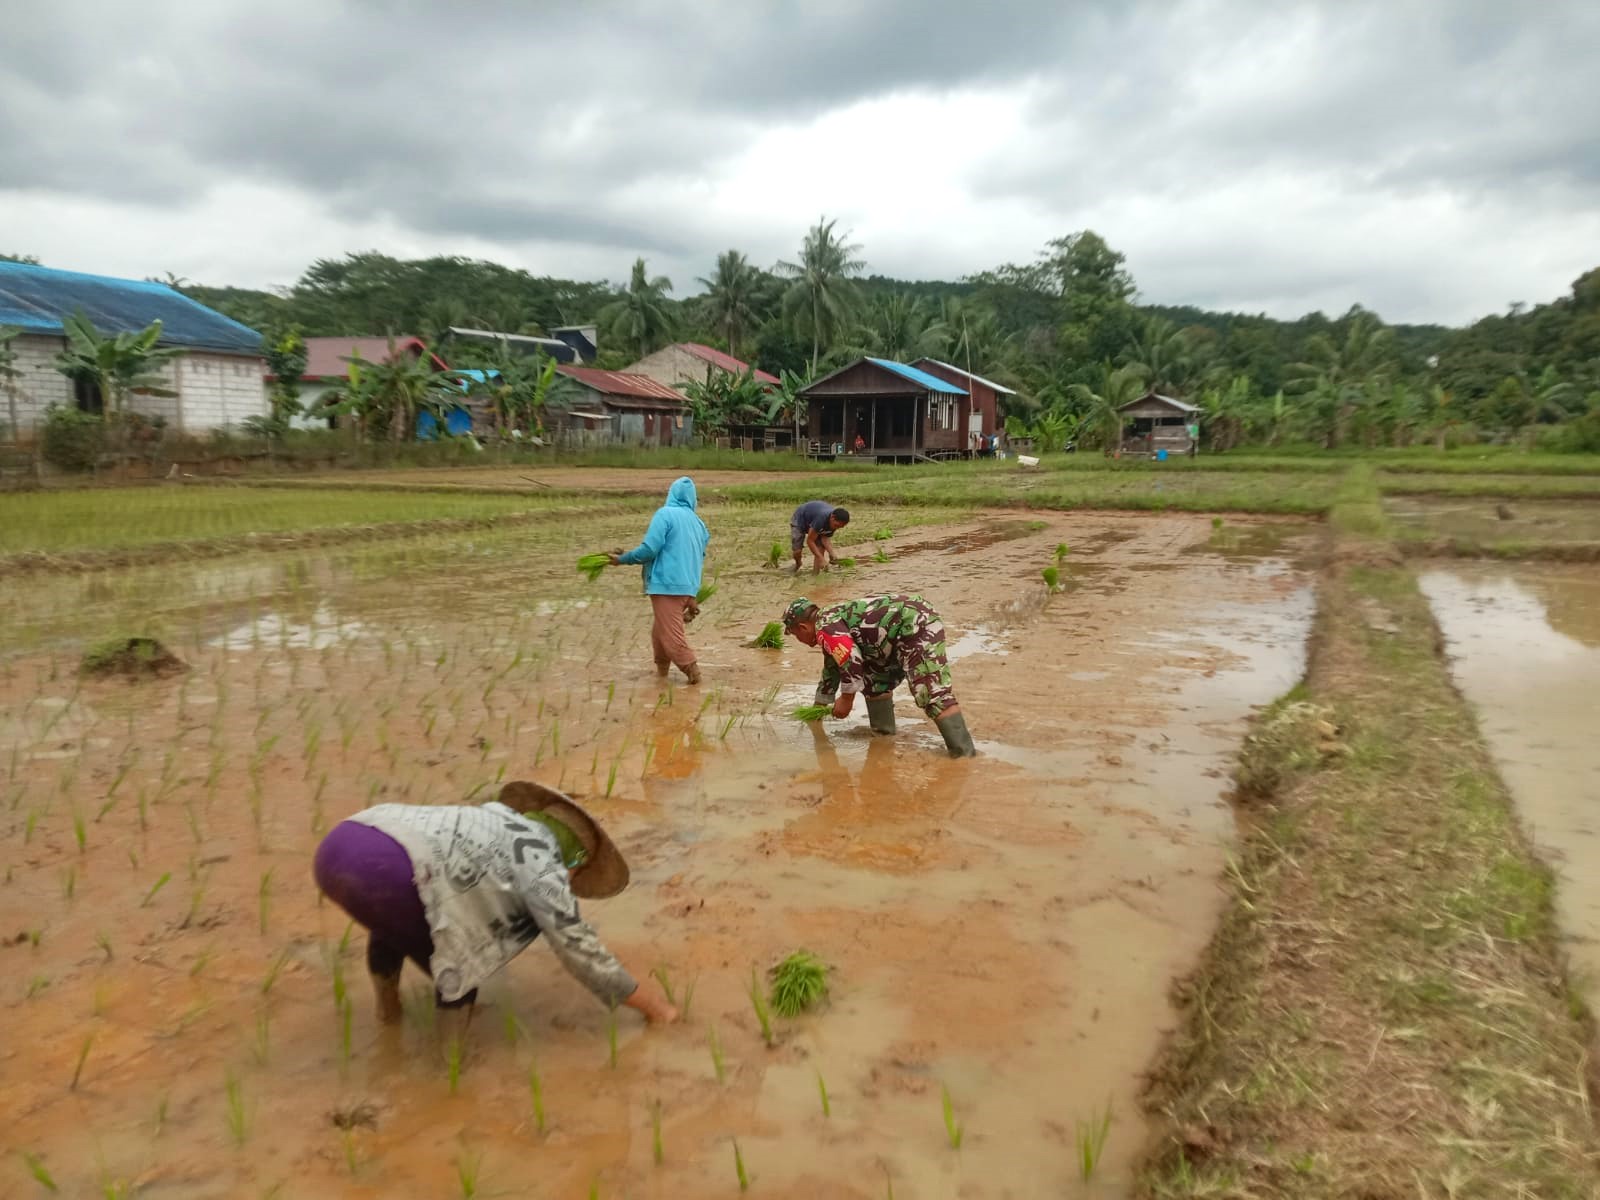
(861,640)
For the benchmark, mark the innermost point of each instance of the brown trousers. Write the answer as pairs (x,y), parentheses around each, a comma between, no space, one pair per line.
(668,638)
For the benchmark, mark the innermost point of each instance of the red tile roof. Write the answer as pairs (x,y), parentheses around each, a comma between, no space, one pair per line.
(727,362)
(325,355)
(621,384)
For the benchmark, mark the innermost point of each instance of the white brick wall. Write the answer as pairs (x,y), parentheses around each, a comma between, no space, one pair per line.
(216,389)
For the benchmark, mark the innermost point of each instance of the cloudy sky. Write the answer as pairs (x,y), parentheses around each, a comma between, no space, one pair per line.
(1431,160)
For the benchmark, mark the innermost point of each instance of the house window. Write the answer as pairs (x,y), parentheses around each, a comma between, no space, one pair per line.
(86,392)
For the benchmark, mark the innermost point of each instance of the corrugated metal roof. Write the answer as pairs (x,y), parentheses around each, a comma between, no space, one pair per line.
(619,383)
(727,362)
(38,299)
(325,355)
(1179,404)
(921,378)
(988,383)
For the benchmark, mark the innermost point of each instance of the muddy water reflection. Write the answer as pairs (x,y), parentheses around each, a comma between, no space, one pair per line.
(1524,645)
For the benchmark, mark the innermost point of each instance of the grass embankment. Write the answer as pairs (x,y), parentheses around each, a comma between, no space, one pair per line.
(89,529)
(1153,489)
(1495,487)
(1383,1011)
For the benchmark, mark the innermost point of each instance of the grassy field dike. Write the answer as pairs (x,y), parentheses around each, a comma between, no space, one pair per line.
(1384,1010)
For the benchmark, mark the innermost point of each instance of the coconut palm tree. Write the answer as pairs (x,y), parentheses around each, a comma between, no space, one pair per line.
(639,317)
(903,327)
(732,297)
(1103,402)
(1163,350)
(1340,375)
(822,296)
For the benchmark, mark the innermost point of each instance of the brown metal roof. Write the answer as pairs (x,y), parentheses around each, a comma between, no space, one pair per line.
(623,386)
(727,362)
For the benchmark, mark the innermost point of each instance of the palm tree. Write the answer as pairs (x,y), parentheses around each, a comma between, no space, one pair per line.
(639,318)
(977,343)
(822,295)
(902,327)
(732,297)
(1340,374)
(1163,350)
(1104,400)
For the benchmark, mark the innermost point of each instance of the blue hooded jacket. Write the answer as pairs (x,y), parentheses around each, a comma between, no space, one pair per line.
(674,546)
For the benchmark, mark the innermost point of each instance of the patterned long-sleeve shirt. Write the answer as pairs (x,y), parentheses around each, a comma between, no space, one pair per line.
(860,640)
(491,881)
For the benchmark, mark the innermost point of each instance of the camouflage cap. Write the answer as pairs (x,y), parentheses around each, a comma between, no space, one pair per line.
(796,612)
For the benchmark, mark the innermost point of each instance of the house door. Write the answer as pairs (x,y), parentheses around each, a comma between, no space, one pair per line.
(665,427)
(649,427)
(975,429)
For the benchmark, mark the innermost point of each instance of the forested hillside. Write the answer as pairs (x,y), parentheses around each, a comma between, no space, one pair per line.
(1068,331)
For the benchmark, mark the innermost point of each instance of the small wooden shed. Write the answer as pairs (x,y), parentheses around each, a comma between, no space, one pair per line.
(1154,422)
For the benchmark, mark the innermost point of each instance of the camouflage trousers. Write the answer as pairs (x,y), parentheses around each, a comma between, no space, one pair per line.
(919,661)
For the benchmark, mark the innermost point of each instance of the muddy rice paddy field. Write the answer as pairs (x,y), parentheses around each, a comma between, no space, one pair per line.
(184,1018)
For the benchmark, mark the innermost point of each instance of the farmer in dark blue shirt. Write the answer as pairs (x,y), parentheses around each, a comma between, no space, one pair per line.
(812,528)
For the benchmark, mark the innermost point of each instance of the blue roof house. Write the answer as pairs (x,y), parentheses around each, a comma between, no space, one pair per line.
(218,378)
(885,410)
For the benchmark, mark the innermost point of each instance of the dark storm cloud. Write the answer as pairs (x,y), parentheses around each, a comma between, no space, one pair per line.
(610,127)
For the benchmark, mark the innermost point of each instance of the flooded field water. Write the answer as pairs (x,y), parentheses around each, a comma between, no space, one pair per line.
(1524,645)
(1006,928)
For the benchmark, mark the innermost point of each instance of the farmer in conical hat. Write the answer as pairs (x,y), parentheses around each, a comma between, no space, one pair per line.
(463,889)
(870,646)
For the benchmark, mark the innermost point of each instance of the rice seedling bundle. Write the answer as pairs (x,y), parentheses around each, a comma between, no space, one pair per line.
(883,535)
(590,565)
(798,982)
(770,637)
(811,712)
(707,590)
(1052,578)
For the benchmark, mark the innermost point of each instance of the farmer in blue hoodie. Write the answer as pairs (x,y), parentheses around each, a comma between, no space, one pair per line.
(673,553)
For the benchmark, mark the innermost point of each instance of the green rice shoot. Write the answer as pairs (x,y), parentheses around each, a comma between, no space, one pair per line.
(812,712)
(770,637)
(798,983)
(707,590)
(591,565)
(1052,578)
(1092,1136)
(883,535)
(952,1127)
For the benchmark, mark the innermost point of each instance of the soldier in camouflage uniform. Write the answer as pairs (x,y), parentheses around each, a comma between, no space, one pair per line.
(871,646)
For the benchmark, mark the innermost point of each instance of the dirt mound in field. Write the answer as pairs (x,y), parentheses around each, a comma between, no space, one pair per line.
(134,657)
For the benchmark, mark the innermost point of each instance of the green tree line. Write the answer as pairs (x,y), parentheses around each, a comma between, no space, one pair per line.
(1066,330)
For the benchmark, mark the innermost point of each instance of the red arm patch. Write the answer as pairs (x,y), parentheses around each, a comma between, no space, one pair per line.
(839,646)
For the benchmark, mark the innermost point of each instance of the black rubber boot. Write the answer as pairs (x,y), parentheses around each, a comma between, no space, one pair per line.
(880,713)
(956,738)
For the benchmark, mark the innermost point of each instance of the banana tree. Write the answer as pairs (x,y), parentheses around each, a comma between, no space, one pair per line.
(118,365)
(9,375)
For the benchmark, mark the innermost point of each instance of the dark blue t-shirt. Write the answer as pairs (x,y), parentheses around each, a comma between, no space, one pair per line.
(813,515)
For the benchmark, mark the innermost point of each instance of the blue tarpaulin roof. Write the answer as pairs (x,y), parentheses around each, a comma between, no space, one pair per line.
(921,378)
(38,299)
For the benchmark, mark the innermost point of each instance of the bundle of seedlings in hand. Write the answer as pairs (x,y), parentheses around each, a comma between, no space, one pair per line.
(591,565)
(1052,578)
(812,712)
(707,590)
(849,562)
(798,982)
(770,637)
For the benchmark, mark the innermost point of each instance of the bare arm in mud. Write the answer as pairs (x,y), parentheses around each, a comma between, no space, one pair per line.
(821,547)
